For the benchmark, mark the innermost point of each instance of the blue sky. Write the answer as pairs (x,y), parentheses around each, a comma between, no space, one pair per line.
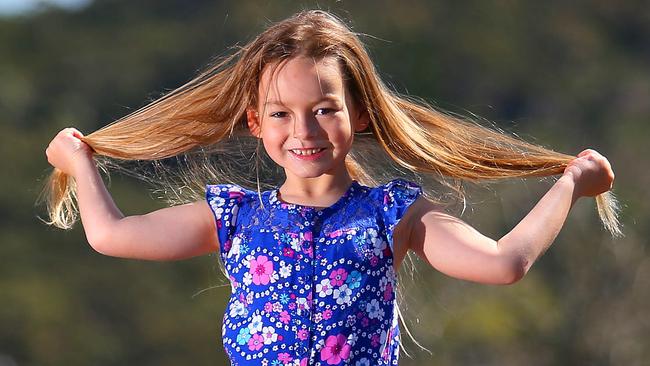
(17,7)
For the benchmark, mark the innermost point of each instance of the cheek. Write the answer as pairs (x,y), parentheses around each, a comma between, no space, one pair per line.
(273,140)
(340,135)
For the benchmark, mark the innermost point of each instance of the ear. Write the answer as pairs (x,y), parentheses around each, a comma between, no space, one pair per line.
(363,120)
(253,120)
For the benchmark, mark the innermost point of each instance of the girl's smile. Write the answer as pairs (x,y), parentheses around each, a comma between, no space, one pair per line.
(308,154)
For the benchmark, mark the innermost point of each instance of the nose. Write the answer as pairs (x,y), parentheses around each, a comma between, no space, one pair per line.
(305,126)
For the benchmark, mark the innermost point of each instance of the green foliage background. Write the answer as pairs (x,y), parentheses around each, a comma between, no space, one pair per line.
(567,75)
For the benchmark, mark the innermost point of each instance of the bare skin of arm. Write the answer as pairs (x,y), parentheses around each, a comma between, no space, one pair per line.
(172,233)
(456,249)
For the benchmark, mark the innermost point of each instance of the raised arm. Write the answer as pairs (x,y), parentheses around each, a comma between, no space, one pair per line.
(167,234)
(458,250)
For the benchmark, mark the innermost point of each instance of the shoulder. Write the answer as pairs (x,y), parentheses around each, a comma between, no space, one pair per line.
(225,191)
(225,199)
(220,194)
(398,194)
(402,188)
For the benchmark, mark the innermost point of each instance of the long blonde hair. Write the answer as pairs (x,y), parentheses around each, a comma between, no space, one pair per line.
(211,108)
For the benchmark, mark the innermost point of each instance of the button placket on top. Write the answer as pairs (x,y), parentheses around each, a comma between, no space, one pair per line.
(313,221)
(309,264)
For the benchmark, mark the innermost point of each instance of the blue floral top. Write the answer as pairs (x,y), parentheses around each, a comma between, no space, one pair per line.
(310,286)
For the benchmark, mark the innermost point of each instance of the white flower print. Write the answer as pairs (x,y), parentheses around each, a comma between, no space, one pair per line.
(248,279)
(277,307)
(351,320)
(217,204)
(255,324)
(382,341)
(342,295)
(390,275)
(317,317)
(352,339)
(324,288)
(382,283)
(237,309)
(374,310)
(378,244)
(235,248)
(302,303)
(285,270)
(269,335)
(247,260)
(295,244)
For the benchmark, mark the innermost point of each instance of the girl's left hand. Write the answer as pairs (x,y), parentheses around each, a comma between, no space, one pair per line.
(591,173)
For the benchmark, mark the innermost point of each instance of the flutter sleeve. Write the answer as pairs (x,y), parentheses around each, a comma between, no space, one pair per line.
(399,195)
(224,201)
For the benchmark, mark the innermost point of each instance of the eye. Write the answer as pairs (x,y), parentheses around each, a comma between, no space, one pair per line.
(278,114)
(323,111)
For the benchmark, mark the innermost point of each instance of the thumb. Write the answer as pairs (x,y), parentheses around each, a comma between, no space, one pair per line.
(76,133)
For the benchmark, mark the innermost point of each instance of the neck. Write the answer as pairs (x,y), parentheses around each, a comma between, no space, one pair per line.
(317,191)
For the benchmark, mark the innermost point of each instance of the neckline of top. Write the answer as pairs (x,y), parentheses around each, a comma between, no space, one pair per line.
(276,201)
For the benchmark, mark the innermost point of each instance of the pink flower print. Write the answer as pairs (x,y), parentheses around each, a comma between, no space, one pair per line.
(327,314)
(255,342)
(303,362)
(288,252)
(238,194)
(261,269)
(336,233)
(285,317)
(338,276)
(374,260)
(227,245)
(386,252)
(308,236)
(375,340)
(303,334)
(268,307)
(284,358)
(388,292)
(365,322)
(336,350)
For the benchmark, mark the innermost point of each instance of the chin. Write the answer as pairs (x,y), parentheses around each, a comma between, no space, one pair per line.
(307,174)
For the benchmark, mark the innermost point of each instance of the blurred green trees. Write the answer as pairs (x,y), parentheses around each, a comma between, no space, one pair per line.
(567,75)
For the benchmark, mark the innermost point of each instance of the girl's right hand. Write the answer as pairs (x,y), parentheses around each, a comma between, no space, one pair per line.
(66,149)
(591,172)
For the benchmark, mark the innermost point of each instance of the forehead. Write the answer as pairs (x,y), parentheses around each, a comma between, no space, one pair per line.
(301,79)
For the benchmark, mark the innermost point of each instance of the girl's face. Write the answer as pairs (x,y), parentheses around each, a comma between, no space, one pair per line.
(305,117)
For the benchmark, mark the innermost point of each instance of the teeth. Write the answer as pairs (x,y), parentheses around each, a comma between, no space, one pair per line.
(306,152)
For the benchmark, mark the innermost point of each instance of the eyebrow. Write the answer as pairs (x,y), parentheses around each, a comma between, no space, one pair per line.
(327,97)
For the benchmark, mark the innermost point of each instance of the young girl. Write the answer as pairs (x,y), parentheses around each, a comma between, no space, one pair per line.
(313,262)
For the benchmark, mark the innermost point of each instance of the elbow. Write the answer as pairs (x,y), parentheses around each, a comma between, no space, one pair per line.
(516,269)
(99,241)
